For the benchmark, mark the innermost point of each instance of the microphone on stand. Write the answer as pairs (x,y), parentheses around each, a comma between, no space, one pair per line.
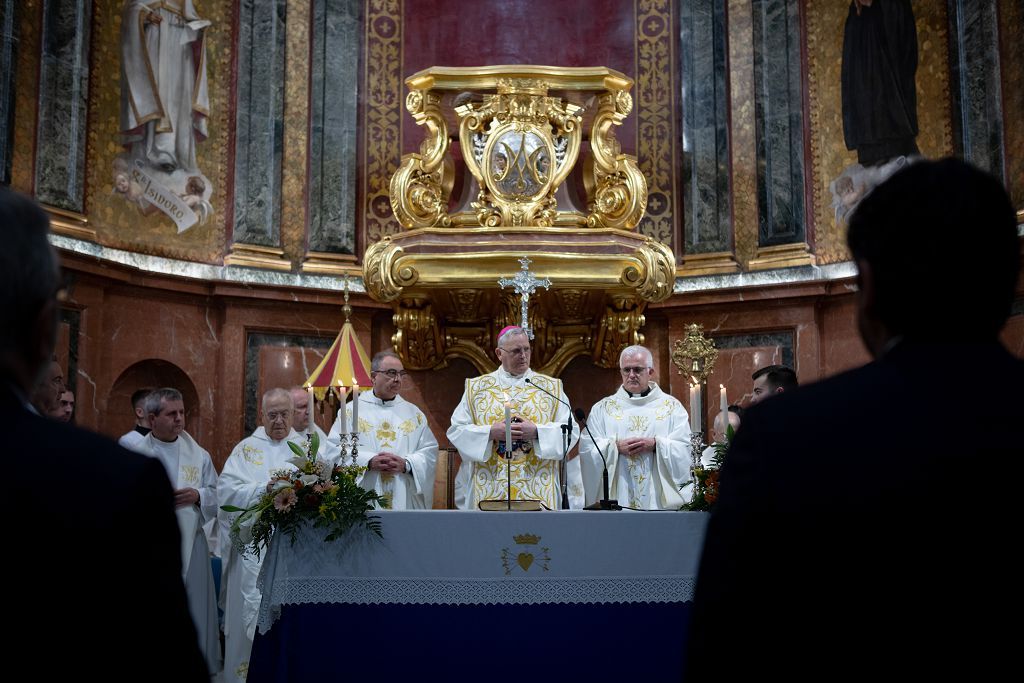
(566,438)
(605,503)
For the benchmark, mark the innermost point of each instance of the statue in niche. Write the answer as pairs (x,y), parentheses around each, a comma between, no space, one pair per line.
(878,80)
(879,97)
(164,110)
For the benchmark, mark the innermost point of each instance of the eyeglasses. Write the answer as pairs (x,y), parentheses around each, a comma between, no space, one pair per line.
(394,374)
(633,371)
(521,351)
(276,415)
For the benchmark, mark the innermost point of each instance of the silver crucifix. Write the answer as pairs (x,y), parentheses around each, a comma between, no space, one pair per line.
(524,284)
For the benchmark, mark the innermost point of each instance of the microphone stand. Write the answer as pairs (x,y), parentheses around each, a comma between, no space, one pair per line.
(566,439)
(605,503)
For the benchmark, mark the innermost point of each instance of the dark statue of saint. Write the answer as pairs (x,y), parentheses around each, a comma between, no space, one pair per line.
(879,66)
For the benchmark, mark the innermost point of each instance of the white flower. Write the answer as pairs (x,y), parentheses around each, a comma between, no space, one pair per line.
(324,469)
(309,479)
(280,484)
(298,462)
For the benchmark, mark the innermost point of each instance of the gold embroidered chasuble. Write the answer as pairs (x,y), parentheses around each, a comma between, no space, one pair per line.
(534,467)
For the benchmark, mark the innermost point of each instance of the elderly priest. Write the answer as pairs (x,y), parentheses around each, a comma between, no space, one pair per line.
(538,408)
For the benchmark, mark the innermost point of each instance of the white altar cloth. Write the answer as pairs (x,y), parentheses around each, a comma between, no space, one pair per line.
(470,558)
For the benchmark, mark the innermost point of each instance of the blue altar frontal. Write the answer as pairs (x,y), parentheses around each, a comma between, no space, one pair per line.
(489,596)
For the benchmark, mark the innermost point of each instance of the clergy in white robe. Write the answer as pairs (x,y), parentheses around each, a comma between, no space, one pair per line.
(305,426)
(644,435)
(396,445)
(164,98)
(539,408)
(133,440)
(242,481)
(194,478)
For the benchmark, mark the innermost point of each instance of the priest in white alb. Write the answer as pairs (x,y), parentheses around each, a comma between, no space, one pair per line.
(194,479)
(304,424)
(396,445)
(644,435)
(243,481)
(479,430)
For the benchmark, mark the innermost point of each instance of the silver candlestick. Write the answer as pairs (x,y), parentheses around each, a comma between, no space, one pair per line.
(355,446)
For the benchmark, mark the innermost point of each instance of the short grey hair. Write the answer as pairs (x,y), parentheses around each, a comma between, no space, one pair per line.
(637,350)
(513,331)
(277,392)
(378,359)
(155,399)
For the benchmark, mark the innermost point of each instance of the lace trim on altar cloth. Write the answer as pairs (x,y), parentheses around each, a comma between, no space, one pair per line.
(419,591)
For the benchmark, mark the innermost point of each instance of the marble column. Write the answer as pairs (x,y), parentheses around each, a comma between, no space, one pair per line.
(334,117)
(8,61)
(259,125)
(778,113)
(975,83)
(63,104)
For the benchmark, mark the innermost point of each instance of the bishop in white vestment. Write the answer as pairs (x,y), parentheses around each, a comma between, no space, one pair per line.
(396,445)
(242,481)
(644,434)
(194,478)
(478,431)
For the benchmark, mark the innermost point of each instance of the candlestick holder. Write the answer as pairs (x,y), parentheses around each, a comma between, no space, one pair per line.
(355,446)
(343,444)
(697,447)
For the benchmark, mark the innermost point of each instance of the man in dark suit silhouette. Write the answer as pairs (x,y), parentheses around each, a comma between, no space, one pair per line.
(92,561)
(868,524)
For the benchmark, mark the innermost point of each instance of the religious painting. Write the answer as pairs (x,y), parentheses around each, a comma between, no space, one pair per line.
(164,110)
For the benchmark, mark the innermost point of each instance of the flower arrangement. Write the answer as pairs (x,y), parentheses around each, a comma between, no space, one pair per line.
(317,492)
(705,478)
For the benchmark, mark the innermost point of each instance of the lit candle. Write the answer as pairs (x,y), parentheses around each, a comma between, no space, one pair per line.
(341,412)
(723,404)
(508,428)
(694,407)
(355,405)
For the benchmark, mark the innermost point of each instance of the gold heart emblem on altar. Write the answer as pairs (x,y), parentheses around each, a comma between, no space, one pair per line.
(524,560)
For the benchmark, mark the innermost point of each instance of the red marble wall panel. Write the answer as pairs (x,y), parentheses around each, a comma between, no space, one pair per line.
(563,33)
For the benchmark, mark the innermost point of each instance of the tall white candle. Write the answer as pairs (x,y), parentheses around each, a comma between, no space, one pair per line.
(312,400)
(343,394)
(723,404)
(508,428)
(355,405)
(694,407)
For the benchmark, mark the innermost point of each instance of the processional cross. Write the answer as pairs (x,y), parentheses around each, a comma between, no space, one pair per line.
(524,284)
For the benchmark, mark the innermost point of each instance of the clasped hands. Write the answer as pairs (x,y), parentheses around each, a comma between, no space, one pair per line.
(185,497)
(388,463)
(522,430)
(635,445)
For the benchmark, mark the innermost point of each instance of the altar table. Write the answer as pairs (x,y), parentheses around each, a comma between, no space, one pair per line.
(482,596)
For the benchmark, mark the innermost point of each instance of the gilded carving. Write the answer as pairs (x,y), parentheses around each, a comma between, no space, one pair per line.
(695,355)
(655,277)
(378,271)
(619,328)
(617,186)
(417,338)
(522,144)
(421,186)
